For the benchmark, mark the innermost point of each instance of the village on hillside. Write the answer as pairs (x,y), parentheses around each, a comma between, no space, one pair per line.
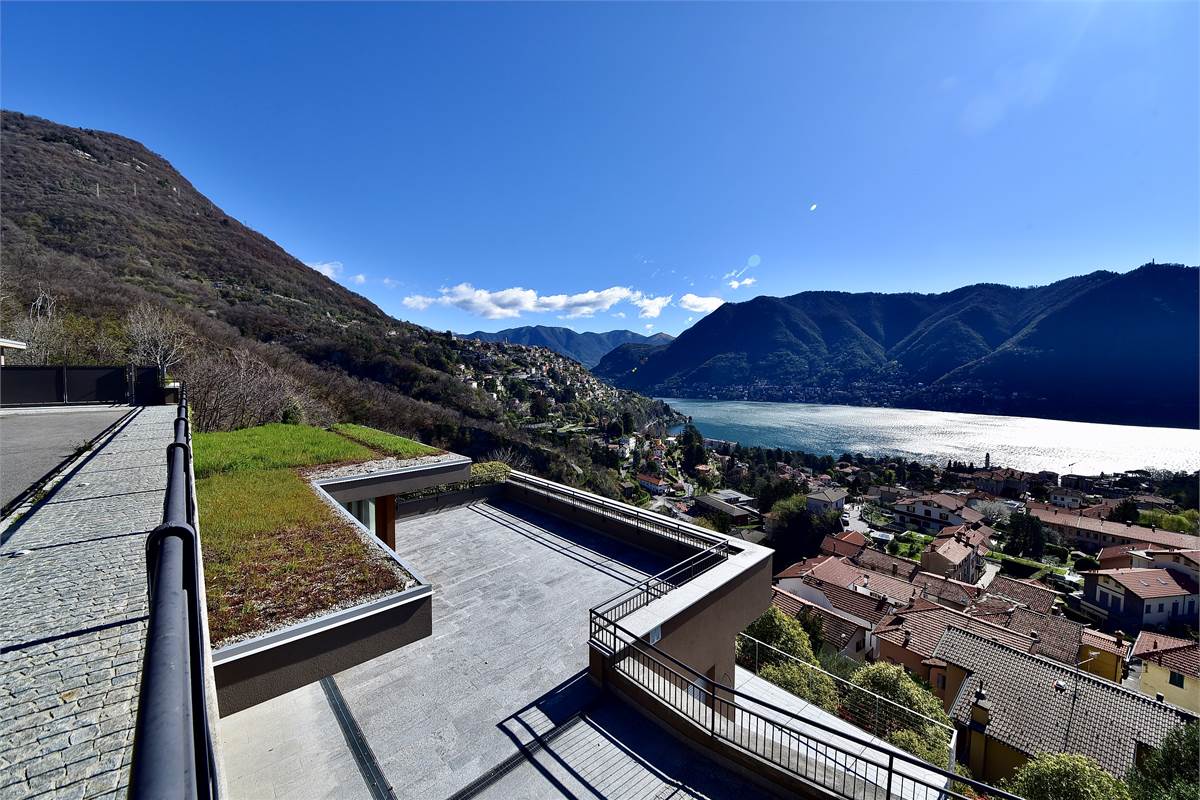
(963,570)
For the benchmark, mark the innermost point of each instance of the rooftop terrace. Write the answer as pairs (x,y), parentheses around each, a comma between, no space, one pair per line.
(503,669)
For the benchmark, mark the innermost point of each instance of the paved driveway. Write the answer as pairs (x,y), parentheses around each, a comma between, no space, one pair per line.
(34,441)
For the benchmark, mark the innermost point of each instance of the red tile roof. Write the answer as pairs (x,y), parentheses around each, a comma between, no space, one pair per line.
(843,572)
(1027,593)
(850,602)
(1098,640)
(1153,536)
(836,627)
(801,568)
(919,626)
(1147,583)
(1179,655)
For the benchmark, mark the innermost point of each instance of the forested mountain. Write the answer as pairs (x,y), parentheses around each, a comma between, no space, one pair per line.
(587,348)
(1102,347)
(99,224)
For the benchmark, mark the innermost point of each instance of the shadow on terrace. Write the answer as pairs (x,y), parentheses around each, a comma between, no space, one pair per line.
(546,642)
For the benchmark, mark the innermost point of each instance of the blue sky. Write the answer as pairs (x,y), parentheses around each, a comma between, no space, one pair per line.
(601,166)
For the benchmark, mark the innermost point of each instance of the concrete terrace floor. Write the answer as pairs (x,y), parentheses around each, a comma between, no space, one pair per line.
(495,703)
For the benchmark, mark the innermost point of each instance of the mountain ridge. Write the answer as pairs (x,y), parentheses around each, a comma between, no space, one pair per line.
(587,347)
(1046,351)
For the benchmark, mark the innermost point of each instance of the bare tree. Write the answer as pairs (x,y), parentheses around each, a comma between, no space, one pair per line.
(41,330)
(157,336)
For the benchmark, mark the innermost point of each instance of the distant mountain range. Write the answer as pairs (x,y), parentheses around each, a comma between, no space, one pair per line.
(1102,347)
(586,348)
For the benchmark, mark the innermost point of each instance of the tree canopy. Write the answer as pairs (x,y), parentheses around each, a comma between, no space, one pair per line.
(1065,776)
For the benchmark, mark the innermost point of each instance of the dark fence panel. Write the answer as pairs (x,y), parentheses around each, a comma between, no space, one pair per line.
(30,385)
(97,385)
(35,386)
(147,388)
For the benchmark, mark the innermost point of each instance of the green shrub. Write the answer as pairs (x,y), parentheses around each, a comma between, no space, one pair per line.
(1065,776)
(808,684)
(783,632)
(1171,772)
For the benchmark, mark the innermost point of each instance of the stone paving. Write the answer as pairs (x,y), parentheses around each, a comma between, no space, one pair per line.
(503,668)
(73,612)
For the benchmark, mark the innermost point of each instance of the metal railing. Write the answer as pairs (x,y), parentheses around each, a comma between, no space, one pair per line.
(873,713)
(173,754)
(835,759)
(683,532)
(644,592)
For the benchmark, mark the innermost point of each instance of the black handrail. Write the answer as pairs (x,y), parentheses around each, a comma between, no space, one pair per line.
(623,641)
(173,755)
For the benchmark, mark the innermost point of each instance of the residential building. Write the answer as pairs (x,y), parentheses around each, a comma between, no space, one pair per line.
(886,563)
(1092,534)
(1059,638)
(840,632)
(1170,668)
(1011,705)
(846,543)
(652,483)
(957,552)
(824,501)
(1030,594)
(1067,498)
(1134,598)
(932,512)
(711,504)
(946,591)
(909,635)
(1004,482)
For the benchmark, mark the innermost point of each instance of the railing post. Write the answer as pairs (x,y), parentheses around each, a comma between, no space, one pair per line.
(891,768)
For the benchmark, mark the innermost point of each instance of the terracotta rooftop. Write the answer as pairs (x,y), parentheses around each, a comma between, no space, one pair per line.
(879,561)
(836,628)
(848,601)
(843,572)
(801,568)
(945,590)
(1057,637)
(1179,655)
(1098,640)
(1053,708)
(919,626)
(949,502)
(1149,583)
(1154,536)
(1029,594)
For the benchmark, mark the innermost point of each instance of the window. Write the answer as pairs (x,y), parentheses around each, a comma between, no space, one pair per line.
(941,681)
(1160,608)
(1177,679)
(928,513)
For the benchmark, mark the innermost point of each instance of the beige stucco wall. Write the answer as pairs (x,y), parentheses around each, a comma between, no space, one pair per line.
(1157,679)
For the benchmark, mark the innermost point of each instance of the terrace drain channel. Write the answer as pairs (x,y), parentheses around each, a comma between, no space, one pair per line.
(376,782)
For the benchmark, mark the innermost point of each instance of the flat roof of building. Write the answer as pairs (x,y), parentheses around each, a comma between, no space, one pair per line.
(504,668)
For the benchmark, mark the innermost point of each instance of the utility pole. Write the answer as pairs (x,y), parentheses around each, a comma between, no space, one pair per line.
(1092,654)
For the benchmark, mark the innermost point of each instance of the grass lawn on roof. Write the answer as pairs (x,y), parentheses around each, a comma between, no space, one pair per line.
(275,553)
(271,447)
(386,443)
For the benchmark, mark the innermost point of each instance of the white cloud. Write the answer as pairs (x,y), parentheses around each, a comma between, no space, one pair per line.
(700,305)
(512,302)
(813,207)
(330,269)
(743,282)
(690,319)
(419,301)
(649,326)
(359,279)
(734,273)
(619,315)
(650,307)
(391,283)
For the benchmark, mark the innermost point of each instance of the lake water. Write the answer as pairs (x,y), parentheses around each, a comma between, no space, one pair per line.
(1022,442)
